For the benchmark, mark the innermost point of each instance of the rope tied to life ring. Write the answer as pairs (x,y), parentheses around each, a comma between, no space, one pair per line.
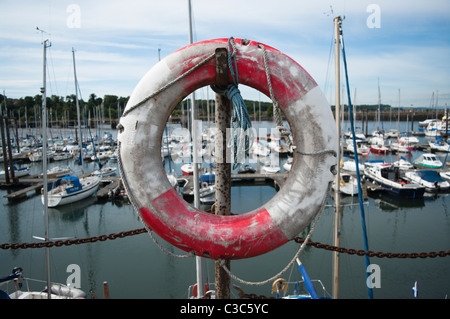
(276,108)
(241,133)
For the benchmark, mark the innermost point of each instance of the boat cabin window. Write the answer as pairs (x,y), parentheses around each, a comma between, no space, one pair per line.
(391,173)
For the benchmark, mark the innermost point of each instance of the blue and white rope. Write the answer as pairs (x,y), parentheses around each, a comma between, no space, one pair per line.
(241,133)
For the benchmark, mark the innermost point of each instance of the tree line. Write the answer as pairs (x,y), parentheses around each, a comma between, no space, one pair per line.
(60,108)
(110,108)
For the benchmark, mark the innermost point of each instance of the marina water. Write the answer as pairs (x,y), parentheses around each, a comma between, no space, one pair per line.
(135,267)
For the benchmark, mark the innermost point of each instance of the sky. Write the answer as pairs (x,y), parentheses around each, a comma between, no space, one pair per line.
(402,45)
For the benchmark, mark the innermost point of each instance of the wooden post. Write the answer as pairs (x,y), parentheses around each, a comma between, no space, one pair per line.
(223,165)
(367,120)
(446,121)
(17,135)
(5,156)
(105,290)
(8,143)
(337,196)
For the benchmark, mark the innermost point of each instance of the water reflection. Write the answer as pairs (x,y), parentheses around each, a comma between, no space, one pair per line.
(72,212)
(389,203)
(135,267)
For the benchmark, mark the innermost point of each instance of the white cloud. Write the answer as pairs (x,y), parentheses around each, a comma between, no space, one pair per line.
(118,41)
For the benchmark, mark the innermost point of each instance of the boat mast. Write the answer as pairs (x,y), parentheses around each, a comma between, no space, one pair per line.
(80,140)
(380,117)
(337,181)
(398,114)
(198,260)
(45,45)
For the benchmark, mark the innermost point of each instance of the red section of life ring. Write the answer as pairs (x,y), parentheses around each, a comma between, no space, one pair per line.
(238,236)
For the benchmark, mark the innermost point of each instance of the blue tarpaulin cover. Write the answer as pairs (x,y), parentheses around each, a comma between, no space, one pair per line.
(430,176)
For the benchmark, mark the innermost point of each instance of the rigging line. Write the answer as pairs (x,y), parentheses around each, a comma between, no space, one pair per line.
(53,71)
(49,83)
(88,127)
(361,205)
(142,102)
(325,87)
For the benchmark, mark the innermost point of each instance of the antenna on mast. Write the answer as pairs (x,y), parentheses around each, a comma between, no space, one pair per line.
(42,33)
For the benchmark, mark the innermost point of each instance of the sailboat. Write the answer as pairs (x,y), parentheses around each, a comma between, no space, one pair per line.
(348,184)
(57,290)
(18,172)
(69,189)
(377,145)
(51,291)
(400,147)
(281,287)
(187,169)
(339,35)
(271,167)
(439,145)
(260,148)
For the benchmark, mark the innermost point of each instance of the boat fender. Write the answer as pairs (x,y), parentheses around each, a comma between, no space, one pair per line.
(236,236)
(66,291)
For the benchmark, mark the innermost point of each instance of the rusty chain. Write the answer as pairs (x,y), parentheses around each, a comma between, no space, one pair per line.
(299,240)
(77,241)
(370,253)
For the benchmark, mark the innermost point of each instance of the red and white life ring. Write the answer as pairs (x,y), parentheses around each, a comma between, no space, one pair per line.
(238,236)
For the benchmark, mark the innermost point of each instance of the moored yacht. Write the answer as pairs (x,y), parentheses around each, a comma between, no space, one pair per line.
(430,179)
(428,160)
(69,189)
(388,177)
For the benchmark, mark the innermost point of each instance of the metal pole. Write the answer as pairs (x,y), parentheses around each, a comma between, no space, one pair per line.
(446,122)
(5,157)
(8,143)
(337,182)
(80,141)
(17,133)
(223,166)
(198,260)
(44,166)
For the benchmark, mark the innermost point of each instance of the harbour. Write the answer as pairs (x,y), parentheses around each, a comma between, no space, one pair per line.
(160,208)
(395,225)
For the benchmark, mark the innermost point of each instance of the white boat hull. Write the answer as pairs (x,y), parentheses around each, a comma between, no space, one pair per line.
(90,186)
(271,169)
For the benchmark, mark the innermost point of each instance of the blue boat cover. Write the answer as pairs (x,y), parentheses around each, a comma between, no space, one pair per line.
(75,180)
(430,176)
(209,178)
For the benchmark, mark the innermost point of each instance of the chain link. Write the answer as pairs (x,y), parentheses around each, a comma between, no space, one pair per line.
(76,241)
(299,240)
(370,253)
